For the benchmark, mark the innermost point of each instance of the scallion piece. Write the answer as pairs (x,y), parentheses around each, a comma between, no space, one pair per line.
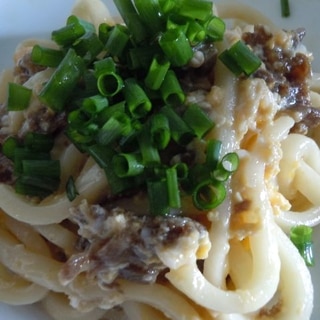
(109,84)
(230,162)
(141,57)
(198,120)
(103,66)
(94,104)
(157,72)
(21,154)
(117,40)
(42,184)
(213,153)
(150,14)
(39,142)
(42,168)
(176,47)
(74,29)
(60,86)
(71,189)
(173,188)
(208,194)
(150,154)
(158,197)
(104,31)
(24,187)
(88,46)
(285,8)
(47,57)
(127,164)
(9,146)
(195,9)
(19,97)
(160,131)
(117,125)
(137,100)
(215,28)
(103,156)
(131,19)
(239,58)
(171,91)
(180,131)
(301,236)
(195,32)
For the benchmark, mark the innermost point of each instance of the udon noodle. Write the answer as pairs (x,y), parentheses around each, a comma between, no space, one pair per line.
(242,265)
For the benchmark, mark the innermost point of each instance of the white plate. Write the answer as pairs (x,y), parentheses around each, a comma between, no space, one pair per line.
(33,18)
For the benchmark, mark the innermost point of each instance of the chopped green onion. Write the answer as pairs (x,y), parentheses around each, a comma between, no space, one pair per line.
(285,8)
(103,66)
(176,47)
(9,146)
(158,197)
(127,164)
(131,19)
(171,91)
(195,32)
(119,124)
(109,84)
(103,156)
(117,40)
(35,186)
(19,97)
(21,154)
(173,188)
(71,189)
(46,56)
(137,100)
(104,31)
(74,29)
(141,57)
(301,236)
(195,9)
(215,28)
(43,168)
(150,154)
(157,72)
(60,86)
(149,13)
(239,58)
(198,120)
(39,142)
(88,46)
(213,153)
(180,131)
(230,162)
(208,195)
(45,185)
(160,131)
(94,104)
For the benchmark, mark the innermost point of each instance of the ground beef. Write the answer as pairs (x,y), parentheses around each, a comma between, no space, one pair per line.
(6,170)
(120,244)
(286,72)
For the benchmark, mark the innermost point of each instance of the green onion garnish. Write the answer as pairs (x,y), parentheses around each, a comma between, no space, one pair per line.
(46,56)
(18,97)
(285,8)
(71,189)
(126,108)
(208,194)
(301,236)
(60,86)
(240,59)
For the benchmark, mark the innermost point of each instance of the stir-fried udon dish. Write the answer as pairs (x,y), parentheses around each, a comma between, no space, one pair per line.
(163,164)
